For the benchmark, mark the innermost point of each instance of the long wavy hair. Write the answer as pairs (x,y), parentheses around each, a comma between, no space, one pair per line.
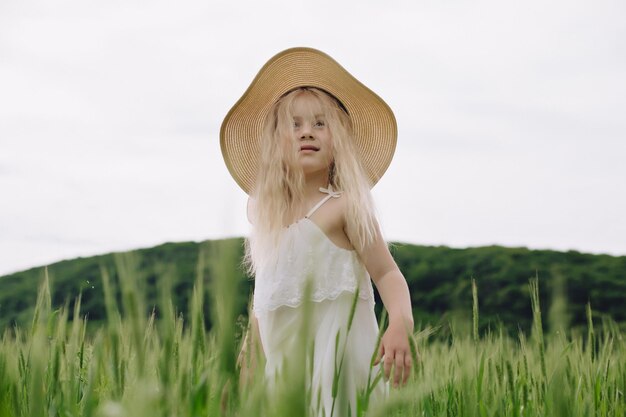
(279,191)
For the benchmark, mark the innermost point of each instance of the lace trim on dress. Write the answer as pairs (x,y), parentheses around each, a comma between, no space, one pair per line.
(331,271)
(306,254)
(297,301)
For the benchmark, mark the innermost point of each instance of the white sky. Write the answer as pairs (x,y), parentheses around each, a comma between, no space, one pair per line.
(511,118)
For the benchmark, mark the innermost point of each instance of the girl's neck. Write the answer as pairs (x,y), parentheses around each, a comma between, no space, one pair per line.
(311,196)
(312,184)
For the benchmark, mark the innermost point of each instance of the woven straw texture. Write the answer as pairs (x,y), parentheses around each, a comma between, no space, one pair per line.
(374,125)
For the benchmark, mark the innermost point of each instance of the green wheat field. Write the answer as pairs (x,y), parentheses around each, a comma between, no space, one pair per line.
(156,361)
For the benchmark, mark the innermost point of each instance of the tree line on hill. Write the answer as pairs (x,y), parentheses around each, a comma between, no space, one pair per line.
(439,278)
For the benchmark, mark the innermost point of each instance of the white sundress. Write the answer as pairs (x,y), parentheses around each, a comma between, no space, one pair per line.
(334,276)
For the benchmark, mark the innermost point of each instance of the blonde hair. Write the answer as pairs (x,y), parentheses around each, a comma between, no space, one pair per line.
(279,191)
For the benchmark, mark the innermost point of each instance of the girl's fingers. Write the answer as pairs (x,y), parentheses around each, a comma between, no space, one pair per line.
(399,369)
(408,363)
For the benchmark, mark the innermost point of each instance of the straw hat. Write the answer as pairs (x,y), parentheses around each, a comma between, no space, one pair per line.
(374,125)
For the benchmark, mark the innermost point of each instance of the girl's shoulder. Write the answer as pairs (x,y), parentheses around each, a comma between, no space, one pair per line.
(331,219)
(330,215)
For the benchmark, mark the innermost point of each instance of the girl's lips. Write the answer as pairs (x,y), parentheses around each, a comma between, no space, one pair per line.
(309,148)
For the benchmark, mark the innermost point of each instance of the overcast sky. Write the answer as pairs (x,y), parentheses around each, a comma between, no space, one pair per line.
(510,114)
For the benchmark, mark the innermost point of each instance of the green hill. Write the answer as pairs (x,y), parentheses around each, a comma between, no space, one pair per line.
(439,279)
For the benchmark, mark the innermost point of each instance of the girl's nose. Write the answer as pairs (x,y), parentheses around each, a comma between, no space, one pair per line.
(306,131)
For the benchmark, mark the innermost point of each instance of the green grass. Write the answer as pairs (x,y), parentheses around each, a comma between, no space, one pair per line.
(166,363)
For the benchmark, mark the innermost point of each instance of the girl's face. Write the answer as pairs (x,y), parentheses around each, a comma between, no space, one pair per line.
(313,140)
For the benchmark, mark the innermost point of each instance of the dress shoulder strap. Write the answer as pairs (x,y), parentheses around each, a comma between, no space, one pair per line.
(331,194)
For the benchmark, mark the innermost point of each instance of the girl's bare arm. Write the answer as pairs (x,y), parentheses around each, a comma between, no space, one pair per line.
(394,292)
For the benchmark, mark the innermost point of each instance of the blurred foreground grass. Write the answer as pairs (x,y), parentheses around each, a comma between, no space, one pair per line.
(167,364)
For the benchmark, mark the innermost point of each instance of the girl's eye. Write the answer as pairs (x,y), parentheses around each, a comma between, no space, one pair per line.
(320,123)
(296,124)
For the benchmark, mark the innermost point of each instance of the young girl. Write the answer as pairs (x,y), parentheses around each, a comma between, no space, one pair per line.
(307,141)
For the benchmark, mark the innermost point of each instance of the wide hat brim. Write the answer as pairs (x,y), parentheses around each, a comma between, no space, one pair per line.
(374,125)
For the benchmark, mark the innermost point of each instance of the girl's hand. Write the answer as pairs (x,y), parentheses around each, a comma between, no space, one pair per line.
(395,348)
(394,292)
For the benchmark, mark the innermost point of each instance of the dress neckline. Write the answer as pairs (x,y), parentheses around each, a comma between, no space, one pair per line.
(330,194)
(318,230)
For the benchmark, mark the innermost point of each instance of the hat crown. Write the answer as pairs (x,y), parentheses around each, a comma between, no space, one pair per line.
(374,124)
